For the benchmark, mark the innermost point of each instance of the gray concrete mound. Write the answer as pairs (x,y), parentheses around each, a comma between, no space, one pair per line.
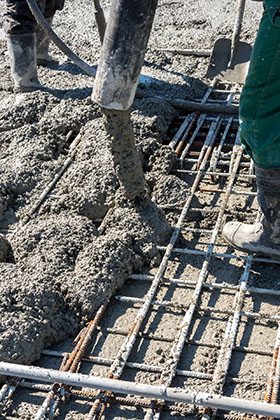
(57,268)
(170,190)
(89,185)
(63,271)
(127,245)
(33,315)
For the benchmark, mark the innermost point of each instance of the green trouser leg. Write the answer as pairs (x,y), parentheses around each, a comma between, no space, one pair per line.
(260,99)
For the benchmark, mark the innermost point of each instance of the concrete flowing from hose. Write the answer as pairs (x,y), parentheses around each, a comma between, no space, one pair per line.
(55,38)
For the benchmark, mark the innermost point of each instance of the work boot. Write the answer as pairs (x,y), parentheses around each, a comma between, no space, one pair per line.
(262,238)
(43,43)
(22,54)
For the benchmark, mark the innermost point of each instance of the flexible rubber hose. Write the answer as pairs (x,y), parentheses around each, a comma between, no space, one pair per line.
(55,38)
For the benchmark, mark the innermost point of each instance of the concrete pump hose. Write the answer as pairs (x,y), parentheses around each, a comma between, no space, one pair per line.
(55,38)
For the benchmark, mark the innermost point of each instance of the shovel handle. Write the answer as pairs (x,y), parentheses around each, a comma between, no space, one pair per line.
(237,26)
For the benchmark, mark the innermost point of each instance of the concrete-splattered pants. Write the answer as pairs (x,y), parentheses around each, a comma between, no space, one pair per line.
(260,99)
(18,18)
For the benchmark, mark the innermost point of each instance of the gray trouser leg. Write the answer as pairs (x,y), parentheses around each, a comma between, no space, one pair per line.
(19,19)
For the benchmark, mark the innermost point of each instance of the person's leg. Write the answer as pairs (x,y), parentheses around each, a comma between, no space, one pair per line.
(260,135)
(19,26)
(260,98)
(48,7)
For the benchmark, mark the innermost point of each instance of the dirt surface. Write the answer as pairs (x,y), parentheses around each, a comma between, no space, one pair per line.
(57,264)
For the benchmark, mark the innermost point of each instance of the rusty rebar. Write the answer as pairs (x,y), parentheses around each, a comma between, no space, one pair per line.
(71,363)
(270,394)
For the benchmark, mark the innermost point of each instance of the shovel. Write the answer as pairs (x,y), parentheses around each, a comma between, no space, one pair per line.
(230,58)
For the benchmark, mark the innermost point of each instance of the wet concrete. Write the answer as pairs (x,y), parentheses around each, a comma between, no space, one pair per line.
(126,159)
(59,255)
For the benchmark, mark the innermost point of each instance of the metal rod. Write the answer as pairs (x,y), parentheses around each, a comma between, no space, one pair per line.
(217,152)
(234,192)
(210,139)
(49,187)
(181,130)
(4,391)
(180,307)
(219,254)
(197,53)
(199,124)
(225,286)
(218,101)
(194,118)
(220,174)
(71,363)
(182,141)
(159,392)
(130,401)
(132,365)
(270,382)
(275,393)
(191,105)
(150,336)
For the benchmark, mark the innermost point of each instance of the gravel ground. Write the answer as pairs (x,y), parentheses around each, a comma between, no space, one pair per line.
(56,267)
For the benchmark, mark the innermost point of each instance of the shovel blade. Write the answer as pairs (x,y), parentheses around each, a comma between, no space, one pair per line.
(220,65)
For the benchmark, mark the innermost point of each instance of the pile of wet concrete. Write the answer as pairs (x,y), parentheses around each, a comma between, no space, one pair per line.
(56,269)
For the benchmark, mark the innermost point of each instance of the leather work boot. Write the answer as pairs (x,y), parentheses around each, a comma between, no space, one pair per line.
(261,238)
(22,54)
(43,43)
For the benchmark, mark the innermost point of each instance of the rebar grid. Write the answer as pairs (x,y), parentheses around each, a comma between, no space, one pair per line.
(207,166)
(169,373)
(119,364)
(224,358)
